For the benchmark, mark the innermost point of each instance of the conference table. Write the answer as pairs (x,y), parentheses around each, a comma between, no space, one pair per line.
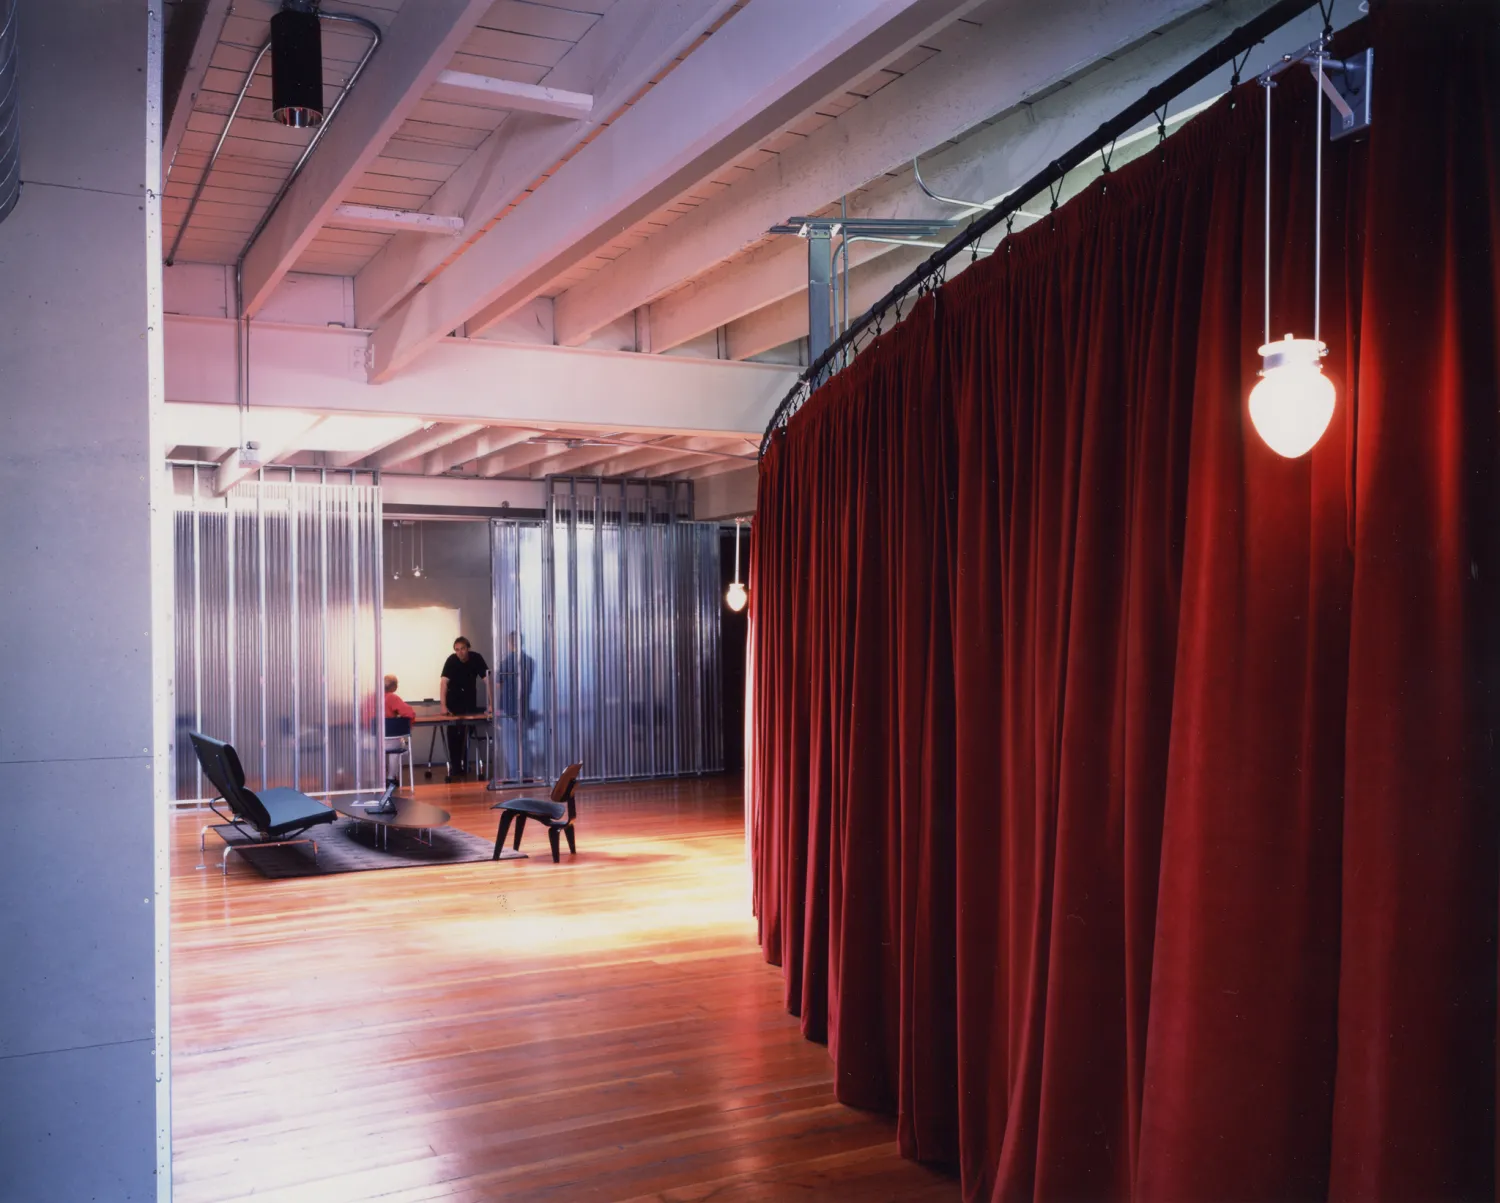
(433,722)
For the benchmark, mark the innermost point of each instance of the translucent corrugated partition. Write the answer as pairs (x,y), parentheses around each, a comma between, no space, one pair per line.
(613,602)
(277,625)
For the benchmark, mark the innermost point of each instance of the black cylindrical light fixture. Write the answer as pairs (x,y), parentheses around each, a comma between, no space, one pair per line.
(297,68)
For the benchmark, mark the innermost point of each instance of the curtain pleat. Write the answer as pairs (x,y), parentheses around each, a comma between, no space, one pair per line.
(1123,809)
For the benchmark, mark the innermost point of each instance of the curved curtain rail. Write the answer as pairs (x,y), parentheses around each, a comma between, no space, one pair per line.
(929,274)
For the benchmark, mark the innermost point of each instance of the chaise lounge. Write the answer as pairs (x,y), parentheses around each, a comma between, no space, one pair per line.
(267,819)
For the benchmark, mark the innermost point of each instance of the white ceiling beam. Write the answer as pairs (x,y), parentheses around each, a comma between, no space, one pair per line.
(578,460)
(486,92)
(418,44)
(715,468)
(393,221)
(766,65)
(622,461)
(483,443)
(518,460)
(1019,50)
(983,165)
(475,381)
(234,467)
(350,459)
(785,320)
(419,443)
(619,55)
(205,39)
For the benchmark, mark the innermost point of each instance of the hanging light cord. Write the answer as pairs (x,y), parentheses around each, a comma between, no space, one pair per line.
(738,522)
(1268,85)
(1318,200)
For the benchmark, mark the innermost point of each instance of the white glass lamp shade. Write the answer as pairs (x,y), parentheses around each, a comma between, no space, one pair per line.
(1292,403)
(737,598)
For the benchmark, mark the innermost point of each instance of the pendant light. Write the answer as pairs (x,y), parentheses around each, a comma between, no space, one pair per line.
(1293,401)
(737,597)
(297,66)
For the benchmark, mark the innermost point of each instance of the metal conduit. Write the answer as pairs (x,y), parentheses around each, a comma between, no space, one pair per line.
(229,121)
(10,109)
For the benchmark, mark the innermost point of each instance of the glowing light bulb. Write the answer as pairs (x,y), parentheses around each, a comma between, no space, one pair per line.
(1292,404)
(737,597)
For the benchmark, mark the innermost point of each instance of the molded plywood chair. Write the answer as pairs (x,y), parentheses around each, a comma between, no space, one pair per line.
(557,812)
(273,816)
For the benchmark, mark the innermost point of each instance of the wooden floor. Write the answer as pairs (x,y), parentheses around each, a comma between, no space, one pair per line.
(602,1029)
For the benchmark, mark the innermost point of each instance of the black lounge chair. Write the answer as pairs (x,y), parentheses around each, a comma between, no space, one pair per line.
(557,812)
(271,817)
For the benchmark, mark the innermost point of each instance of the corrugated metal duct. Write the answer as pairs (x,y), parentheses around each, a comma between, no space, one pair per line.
(10,109)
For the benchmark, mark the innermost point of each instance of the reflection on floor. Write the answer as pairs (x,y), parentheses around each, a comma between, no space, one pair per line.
(601,1029)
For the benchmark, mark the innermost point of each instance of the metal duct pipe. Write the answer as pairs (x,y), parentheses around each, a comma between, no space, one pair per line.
(10,109)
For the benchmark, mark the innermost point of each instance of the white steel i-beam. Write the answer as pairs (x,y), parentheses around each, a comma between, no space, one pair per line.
(767,64)
(419,43)
(982,166)
(632,43)
(1017,48)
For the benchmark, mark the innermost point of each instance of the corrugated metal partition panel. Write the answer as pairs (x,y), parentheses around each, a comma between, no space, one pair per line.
(607,625)
(277,618)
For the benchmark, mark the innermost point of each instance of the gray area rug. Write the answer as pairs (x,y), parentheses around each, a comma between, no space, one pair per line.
(345,846)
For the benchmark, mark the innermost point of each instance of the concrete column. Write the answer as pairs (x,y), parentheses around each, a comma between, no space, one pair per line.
(79,719)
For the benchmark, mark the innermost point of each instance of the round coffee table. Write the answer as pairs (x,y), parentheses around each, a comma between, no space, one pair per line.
(408,815)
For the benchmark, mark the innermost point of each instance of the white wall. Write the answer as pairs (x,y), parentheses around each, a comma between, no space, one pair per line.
(77,903)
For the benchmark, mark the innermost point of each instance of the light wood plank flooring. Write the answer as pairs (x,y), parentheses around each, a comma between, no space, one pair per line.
(602,1029)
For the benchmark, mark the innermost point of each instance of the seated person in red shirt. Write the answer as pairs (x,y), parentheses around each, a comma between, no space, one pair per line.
(394,706)
(395,745)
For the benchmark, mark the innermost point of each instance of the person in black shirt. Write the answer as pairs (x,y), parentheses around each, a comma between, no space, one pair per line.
(459,694)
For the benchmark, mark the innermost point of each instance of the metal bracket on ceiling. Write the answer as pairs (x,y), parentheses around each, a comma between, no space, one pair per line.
(1347,84)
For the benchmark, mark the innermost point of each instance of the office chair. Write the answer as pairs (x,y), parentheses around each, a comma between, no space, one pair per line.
(398,744)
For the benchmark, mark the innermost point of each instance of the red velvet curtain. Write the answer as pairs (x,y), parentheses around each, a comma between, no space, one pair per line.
(1124,809)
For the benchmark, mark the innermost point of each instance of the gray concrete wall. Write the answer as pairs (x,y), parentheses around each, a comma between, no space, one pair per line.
(77,907)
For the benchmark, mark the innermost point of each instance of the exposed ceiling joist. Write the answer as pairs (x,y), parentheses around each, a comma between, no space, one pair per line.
(422,442)
(712,468)
(768,63)
(235,468)
(393,221)
(419,43)
(621,461)
(479,445)
(195,57)
(984,165)
(517,460)
(350,459)
(574,460)
(1021,49)
(484,91)
(621,53)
